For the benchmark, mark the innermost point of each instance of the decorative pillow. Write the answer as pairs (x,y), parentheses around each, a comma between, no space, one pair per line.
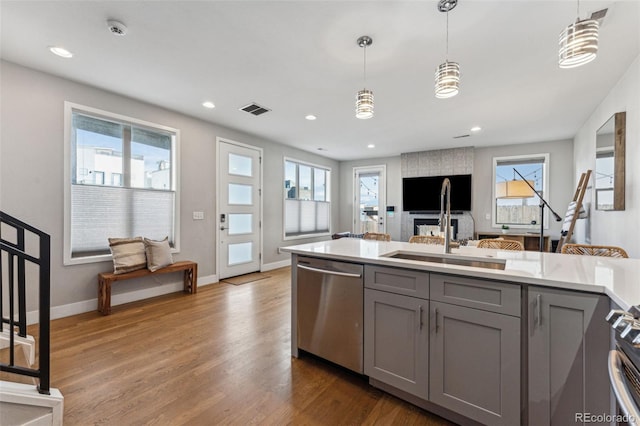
(128,254)
(158,254)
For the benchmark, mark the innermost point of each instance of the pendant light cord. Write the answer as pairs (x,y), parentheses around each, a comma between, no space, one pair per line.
(447,42)
(364,72)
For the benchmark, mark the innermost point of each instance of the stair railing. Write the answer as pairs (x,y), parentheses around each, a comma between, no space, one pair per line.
(14,258)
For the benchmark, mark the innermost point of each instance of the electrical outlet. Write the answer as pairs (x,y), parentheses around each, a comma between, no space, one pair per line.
(198,215)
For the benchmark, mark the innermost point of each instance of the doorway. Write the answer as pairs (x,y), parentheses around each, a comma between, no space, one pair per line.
(370,201)
(238,208)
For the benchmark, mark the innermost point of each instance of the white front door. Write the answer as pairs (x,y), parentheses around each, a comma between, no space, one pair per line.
(370,202)
(239,208)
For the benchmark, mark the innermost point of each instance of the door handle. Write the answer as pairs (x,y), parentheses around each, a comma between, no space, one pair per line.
(420,316)
(436,318)
(222,227)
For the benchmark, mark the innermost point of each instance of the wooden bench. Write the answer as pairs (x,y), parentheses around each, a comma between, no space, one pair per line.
(106,278)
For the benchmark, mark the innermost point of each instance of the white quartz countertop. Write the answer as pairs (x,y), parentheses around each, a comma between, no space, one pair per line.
(617,278)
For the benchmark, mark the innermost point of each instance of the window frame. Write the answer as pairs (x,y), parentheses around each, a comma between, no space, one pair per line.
(545,189)
(69,109)
(327,190)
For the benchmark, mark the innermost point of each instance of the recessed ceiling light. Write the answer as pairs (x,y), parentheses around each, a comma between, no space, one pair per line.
(60,51)
(371,145)
(310,117)
(476,128)
(208,104)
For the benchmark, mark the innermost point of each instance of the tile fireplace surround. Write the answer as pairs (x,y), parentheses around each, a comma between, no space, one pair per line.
(443,162)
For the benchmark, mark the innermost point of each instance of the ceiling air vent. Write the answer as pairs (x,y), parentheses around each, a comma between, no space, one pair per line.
(461,136)
(255,109)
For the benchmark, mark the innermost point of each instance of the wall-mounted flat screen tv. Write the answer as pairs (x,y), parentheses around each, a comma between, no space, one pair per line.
(422,194)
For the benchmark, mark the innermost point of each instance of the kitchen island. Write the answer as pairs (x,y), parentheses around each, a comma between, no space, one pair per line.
(480,335)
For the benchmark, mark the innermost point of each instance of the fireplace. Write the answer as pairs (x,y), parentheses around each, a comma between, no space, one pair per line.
(434,222)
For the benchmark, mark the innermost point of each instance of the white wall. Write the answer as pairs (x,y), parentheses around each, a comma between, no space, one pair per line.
(394,193)
(619,228)
(561,187)
(31,162)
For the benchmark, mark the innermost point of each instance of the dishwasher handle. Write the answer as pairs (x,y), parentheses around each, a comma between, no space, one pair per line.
(329,272)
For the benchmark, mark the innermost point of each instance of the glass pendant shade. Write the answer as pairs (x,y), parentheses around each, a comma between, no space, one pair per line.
(364,104)
(447,79)
(578,44)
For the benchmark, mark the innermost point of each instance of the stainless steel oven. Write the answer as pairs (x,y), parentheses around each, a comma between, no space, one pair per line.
(624,364)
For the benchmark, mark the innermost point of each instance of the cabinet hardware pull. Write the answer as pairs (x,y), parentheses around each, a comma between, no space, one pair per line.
(436,312)
(420,315)
(538,311)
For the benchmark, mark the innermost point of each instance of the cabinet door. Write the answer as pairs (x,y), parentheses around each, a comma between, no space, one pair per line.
(475,363)
(568,348)
(396,341)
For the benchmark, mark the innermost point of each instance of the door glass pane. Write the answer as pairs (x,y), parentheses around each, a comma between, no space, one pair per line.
(240,253)
(290,186)
(305,182)
(240,223)
(240,194)
(240,165)
(369,202)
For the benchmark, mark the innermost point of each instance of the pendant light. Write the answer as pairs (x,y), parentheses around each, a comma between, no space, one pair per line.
(578,43)
(447,73)
(364,97)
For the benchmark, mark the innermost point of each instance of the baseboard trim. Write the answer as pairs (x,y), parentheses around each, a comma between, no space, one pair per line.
(76,308)
(275,265)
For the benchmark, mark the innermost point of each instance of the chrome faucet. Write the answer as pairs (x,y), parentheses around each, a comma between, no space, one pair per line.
(446,225)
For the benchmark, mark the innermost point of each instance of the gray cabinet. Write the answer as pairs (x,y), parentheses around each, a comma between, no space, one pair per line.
(487,295)
(475,363)
(396,341)
(399,281)
(568,348)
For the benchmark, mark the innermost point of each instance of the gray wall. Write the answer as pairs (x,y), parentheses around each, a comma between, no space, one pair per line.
(617,228)
(561,186)
(32,165)
(394,193)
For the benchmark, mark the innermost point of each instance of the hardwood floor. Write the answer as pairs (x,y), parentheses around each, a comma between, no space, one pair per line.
(221,356)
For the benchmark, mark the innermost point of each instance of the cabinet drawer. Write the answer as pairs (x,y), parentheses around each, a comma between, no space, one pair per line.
(400,281)
(487,295)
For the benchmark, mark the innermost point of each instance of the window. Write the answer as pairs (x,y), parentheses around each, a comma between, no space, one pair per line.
(120,181)
(307,210)
(516,210)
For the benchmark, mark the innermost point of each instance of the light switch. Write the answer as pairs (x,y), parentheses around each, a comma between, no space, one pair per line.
(487,216)
(198,215)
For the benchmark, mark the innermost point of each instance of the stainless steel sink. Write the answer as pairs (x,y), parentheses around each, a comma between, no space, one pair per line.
(451,260)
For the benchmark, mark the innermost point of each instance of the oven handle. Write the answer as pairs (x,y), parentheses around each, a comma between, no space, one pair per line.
(625,400)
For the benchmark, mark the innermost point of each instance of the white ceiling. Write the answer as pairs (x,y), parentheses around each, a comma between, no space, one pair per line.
(301,57)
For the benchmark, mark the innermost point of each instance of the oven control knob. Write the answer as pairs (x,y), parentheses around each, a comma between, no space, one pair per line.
(615,314)
(631,332)
(622,322)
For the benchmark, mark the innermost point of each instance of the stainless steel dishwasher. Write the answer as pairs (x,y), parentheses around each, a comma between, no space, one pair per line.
(330,310)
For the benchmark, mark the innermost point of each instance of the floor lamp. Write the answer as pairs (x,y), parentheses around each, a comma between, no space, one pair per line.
(524,189)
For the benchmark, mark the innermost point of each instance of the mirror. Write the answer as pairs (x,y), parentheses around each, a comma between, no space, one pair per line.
(609,178)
